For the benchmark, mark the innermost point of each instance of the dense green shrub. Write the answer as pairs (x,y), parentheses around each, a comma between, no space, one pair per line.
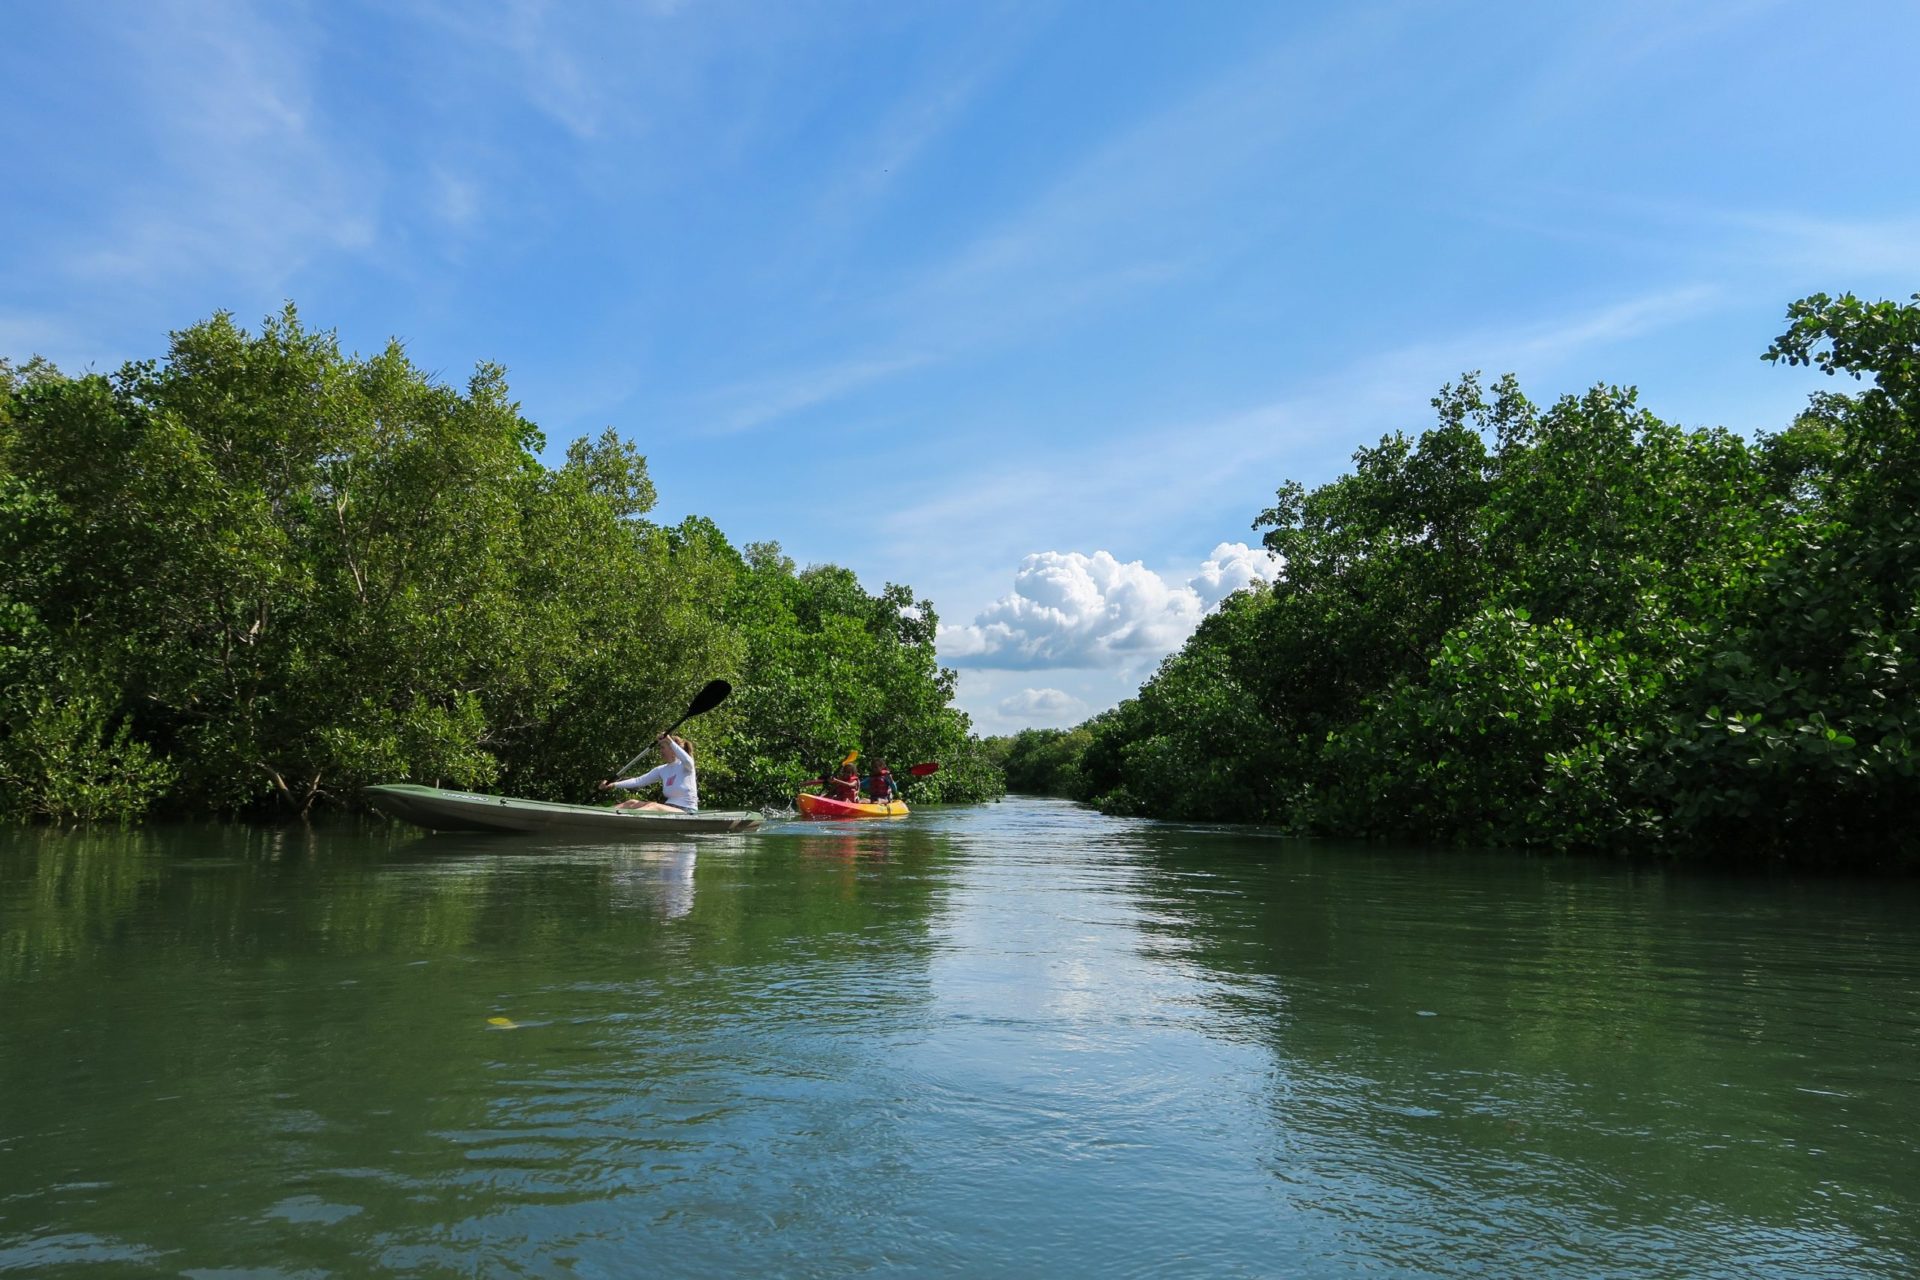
(263,573)
(1577,627)
(1042,762)
(70,758)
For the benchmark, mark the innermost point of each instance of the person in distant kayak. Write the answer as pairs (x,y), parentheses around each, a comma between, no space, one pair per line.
(845,785)
(679,784)
(880,786)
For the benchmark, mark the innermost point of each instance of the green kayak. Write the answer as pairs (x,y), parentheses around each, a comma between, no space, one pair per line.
(440,810)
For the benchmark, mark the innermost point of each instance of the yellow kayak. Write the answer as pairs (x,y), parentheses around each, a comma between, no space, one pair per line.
(813,806)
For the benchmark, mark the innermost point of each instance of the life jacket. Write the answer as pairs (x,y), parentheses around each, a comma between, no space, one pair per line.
(847,789)
(880,786)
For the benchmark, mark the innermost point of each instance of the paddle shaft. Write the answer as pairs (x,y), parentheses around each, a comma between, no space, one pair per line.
(634,763)
(918,771)
(710,696)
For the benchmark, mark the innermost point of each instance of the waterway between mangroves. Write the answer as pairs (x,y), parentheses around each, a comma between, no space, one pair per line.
(1011,1040)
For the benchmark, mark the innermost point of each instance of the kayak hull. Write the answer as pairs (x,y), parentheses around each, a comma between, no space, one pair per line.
(813,806)
(438,810)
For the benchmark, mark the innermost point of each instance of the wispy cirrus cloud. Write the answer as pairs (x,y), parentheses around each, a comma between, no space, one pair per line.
(532,51)
(938,98)
(1158,470)
(1836,248)
(1541,344)
(740,408)
(1143,195)
(1134,215)
(1139,211)
(245,180)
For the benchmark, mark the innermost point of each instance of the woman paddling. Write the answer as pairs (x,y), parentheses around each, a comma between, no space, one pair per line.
(679,785)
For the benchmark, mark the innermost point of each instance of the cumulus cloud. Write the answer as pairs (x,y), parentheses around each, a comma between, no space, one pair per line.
(1232,566)
(1068,609)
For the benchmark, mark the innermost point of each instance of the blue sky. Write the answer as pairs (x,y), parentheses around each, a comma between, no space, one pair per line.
(1032,305)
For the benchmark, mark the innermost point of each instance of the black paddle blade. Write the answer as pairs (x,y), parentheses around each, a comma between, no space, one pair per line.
(710,696)
(715,693)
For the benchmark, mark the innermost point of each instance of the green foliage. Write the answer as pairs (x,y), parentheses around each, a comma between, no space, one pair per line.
(1195,742)
(1800,729)
(262,572)
(1517,733)
(1043,762)
(830,669)
(70,759)
(1578,627)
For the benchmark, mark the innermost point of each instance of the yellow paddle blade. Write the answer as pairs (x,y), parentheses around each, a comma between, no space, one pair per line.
(851,757)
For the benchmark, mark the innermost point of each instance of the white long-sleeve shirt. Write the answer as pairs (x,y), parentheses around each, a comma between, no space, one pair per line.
(678,782)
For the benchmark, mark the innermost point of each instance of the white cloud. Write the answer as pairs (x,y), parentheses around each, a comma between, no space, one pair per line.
(1043,704)
(1232,566)
(1068,609)
(1072,610)
(985,694)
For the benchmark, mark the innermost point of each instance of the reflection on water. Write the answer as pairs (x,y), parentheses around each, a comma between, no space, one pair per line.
(1015,1039)
(660,877)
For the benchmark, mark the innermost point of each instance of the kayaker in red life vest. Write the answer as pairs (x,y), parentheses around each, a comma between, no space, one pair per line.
(880,785)
(845,785)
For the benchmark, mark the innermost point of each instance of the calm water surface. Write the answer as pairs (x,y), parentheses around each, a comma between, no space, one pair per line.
(1019,1039)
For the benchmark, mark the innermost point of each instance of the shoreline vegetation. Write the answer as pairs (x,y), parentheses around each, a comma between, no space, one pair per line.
(260,573)
(1571,627)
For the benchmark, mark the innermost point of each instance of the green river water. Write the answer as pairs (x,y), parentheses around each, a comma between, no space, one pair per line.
(1013,1040)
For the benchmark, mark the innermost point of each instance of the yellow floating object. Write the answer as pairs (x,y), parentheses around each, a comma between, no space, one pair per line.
(501,1022)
